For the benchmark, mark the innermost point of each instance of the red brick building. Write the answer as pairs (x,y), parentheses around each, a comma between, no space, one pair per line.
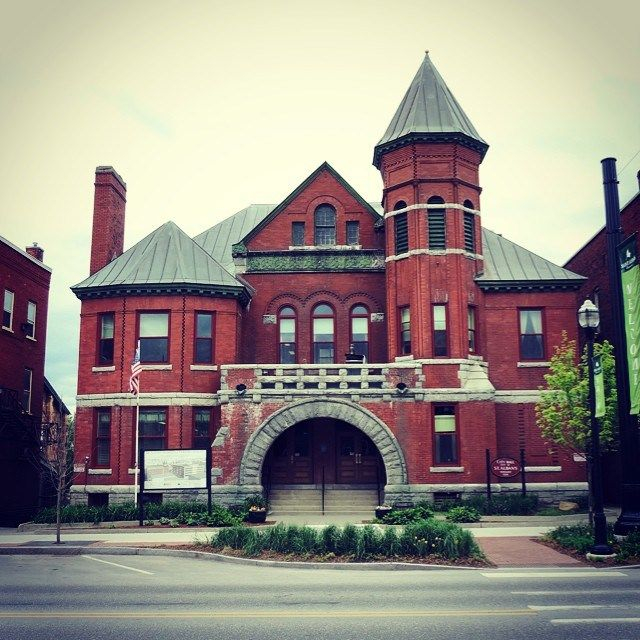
(326,340)
(24,287)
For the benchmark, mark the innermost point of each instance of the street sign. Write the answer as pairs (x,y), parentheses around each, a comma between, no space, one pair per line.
(505,467)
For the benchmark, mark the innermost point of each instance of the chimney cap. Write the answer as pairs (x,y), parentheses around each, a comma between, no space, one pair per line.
(102,169)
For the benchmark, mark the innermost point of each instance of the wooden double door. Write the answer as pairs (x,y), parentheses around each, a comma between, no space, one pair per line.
(323,449)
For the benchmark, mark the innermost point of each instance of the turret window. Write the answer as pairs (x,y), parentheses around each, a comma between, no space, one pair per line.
(405,330)
(154,337)
(436,224)
(325,225)
(105,346)
(204,338)
(440,341)
(469,228)
(401,233)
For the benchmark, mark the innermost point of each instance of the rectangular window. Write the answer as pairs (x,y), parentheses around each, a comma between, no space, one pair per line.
(204,338)
(297,234)
(440,346)
(152,429)
(437,229)
(202,428)
(30,325)
(27,377)
(405,331)
(103,438)
(353,233)
(531,336)
(471,324)
(323,346)
(469,232)
(7,314)
(444,427)
(287,339)
(106,328)
(401,233)
(154,337)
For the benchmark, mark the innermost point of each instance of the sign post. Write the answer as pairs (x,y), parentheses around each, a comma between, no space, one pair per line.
(487,459)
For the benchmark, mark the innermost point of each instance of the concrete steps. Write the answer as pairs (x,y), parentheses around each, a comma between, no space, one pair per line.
(309,501)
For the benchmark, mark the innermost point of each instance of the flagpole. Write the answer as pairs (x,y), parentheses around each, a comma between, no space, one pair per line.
(136,466)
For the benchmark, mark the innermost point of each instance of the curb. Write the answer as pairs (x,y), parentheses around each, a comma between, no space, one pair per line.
(217,557)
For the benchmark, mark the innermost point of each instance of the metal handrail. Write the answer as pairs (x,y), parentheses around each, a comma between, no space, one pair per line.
(323,490)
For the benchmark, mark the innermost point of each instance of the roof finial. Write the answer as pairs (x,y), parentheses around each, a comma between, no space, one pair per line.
(426,51)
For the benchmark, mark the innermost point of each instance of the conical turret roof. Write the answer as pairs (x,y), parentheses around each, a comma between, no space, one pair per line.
(429,113)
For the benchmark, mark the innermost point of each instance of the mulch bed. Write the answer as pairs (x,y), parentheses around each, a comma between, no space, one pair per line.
(599,564)
(330,559)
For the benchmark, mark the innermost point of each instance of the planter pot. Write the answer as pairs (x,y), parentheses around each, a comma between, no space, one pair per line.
(257,516)
(381,512)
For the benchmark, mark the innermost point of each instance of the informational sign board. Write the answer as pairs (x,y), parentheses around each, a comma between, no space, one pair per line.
(174,469)
(505,467)
(630,276)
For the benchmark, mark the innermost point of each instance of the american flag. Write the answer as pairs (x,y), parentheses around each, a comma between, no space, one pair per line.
(136,368)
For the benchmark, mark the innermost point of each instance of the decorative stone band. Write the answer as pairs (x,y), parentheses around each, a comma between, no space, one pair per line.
(203,367)
(533,365)
(434,252)
(542,469)
(446,205)
(100,472)
(101,369)
(446,469)
(174,398)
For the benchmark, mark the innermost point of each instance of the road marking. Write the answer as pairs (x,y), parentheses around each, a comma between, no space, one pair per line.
(555,574)
(595,620)
(266,614)
(115,564)
(581,592)
(582,607)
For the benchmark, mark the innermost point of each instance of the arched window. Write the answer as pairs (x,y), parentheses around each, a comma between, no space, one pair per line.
(325,225)
(323,335)
(436,224)
(469,228)
(359,336)
(287,335)
(401,204)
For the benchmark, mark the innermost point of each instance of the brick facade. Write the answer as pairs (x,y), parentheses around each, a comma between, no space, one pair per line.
(428,404)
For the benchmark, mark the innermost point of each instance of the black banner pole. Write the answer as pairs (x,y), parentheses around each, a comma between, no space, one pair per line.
(141,489)
(209,481)
(487,456)
(522,474)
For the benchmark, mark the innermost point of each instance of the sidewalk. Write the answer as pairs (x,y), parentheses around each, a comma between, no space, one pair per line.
(507,541)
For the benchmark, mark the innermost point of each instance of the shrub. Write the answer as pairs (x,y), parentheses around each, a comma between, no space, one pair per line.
(578,537)
(463,514)
(422,511)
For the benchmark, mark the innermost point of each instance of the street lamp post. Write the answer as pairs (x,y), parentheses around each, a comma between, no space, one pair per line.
(589,319)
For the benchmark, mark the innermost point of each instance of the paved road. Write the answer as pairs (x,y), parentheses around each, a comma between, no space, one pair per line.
(108,597)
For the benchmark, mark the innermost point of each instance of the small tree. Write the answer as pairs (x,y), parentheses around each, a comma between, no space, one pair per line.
(562,414)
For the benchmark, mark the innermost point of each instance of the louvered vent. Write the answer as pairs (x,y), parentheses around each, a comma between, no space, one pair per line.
(469,233)
(437,236)
(402,233)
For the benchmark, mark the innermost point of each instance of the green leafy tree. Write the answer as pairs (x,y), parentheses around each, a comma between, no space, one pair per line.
(562,413)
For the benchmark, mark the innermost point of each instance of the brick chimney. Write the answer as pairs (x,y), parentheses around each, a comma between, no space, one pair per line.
(107,239)
(35,251)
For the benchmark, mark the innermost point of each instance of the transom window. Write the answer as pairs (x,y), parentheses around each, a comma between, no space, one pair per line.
(152,429)
(531,336)
(7,313)
(106,328)
(287,335)
(325,225)
(440,341)
(30,325)
(103,438)
(436,224)
(202,428)
(154,337)
(445,442)
(405,330)
(360,330)
(204,338)
(323,335)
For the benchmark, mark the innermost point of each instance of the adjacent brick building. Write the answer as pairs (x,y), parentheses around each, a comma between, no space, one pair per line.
(326,339)
(24,286)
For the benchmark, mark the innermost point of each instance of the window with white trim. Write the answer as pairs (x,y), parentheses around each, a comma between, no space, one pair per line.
(531,334)
(445,450)
(7,313)
(154,337)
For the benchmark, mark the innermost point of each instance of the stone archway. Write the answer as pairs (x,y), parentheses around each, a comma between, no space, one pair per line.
(349,412)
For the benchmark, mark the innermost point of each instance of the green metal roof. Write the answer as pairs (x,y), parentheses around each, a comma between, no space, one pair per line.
(510,266)
(429,113)
(166,261)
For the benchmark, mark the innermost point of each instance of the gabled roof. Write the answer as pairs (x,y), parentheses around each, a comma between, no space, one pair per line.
(166,261)
(325,166)
(510,266)
(429,113)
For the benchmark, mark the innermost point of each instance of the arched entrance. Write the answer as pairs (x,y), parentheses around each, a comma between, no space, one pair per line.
(323,451)
(348,419)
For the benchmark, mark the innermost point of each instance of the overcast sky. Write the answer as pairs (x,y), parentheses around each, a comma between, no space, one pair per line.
(206,107)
